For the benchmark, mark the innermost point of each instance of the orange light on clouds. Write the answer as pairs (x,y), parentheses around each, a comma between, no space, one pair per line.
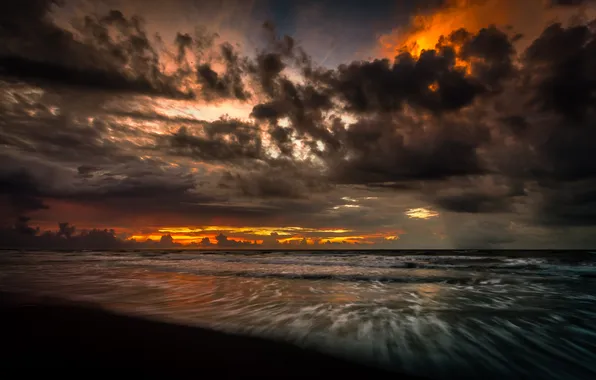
(421,213)
(349,239)
(527,17)
(283,235)
(291,234)
(263,231)
(296,240)
(330,239)
(182,239)
(371,238)
(425,30)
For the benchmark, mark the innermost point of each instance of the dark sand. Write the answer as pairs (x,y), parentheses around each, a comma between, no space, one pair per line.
(41,332)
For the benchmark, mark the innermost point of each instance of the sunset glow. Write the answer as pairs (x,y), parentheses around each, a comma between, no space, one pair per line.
(421,213)
(427,28)
(283,235)
(252,230)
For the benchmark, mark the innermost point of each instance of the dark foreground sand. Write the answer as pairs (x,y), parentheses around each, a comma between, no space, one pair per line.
(41,332)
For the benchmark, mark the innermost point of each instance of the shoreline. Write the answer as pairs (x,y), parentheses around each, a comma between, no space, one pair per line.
(54,333)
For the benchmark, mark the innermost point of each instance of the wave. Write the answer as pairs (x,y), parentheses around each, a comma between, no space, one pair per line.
(464,280)
(496,264)
(449,269)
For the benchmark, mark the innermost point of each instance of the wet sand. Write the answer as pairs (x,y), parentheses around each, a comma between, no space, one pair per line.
(42,332)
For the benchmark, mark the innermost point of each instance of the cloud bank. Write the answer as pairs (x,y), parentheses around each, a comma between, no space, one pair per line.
(105,124)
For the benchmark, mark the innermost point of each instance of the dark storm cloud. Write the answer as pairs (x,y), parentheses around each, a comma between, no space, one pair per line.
(97,163)
(155,117)
(87,78)
(484,235)
(67,236)
(229,84)
(222,140)
(473,203)
(558,127)
(183,43)
(303,104)
(278,179)
(24,185)
(264,184)
(433,81)
(383,150)
(28,184)
(282,137)
(565,82)
(486,194)
(490,52)
(19,194)
(556,77)
(135,189)
(267,111)
(282,45)
(64,157)
(267,70)
(133,182)
(36,50)
(22,235)
(569,204)
(382,86)
(225,242)
(304,107)
(61,138)
(567,154)
(385,86)
(516,124)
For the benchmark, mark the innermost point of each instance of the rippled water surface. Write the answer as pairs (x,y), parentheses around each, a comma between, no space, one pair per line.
(436,315)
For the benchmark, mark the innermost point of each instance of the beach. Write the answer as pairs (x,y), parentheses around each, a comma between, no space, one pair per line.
(44,332)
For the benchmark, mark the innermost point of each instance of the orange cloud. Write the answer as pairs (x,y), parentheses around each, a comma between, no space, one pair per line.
(264,231)
(424,31)
(421,213)
(182,239)
(370,238)
(284,235)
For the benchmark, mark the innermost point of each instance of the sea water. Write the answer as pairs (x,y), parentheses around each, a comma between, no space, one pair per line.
(443,315)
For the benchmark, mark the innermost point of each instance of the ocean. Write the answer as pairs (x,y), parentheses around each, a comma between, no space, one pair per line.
(442,315)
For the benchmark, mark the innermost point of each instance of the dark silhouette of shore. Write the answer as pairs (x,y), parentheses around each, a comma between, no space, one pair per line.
(42,332)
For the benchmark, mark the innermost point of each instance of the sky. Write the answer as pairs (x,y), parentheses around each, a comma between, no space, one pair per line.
(430,124)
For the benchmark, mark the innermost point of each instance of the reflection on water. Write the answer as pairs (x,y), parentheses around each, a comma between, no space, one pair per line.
(443,317)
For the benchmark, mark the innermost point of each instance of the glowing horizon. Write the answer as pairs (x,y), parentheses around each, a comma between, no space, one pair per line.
(283,235)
